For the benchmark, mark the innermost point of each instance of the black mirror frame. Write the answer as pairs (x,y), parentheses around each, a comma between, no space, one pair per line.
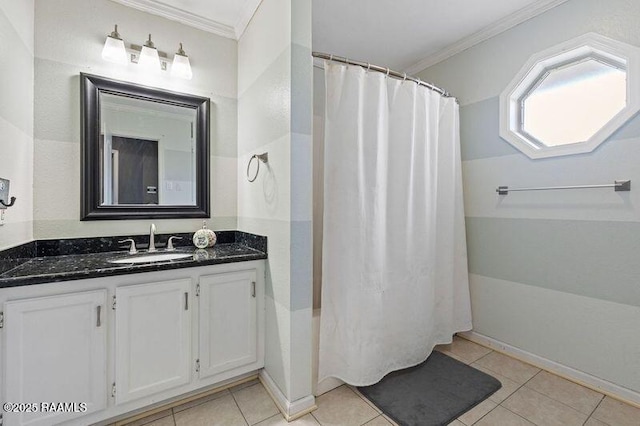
(90,209)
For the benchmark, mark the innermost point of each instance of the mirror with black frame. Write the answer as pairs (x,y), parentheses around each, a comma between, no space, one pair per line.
(145,152)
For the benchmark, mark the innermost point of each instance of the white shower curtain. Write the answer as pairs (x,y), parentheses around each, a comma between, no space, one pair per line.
(395,281)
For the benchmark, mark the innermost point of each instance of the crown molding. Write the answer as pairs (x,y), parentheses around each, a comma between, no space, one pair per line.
(183,17)
(504,24)
(249,9)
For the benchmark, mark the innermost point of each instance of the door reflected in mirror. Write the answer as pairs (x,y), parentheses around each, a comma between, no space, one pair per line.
(147,153)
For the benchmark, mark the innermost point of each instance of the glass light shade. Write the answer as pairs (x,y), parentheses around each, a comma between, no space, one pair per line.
(181,67)
(114,51)
(149,59)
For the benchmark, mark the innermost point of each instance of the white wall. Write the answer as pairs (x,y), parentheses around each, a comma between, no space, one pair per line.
(16,118)
(552,273)
(274,110)
(69,35)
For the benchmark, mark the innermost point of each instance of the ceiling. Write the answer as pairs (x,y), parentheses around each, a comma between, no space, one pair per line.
(227,18)
(407,35)
(401,33)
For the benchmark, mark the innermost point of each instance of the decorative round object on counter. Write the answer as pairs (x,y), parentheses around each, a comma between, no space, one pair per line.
(201,239)
(204,237)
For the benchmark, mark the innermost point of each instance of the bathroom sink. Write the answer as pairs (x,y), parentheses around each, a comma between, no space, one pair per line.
(150,258)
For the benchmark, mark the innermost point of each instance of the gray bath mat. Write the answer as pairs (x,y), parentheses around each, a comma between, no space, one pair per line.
(435,392)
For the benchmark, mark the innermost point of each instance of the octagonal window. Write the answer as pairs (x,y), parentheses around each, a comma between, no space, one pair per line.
(571,98)
(572,103)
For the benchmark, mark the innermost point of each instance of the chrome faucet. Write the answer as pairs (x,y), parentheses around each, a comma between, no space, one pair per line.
(152,238)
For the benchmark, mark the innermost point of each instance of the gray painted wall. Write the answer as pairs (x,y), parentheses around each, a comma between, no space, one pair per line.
(69,35)
(552,273)
(16,118)
(274,116)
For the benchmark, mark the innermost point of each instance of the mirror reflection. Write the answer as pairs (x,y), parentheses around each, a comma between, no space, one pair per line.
(147,152)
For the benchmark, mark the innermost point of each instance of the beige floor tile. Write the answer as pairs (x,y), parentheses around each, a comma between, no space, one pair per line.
(255,403)
(594,422)
(454,356)
(278,420)
(165,421)
(199,401)
(241,386)
(502,417)
(509,367)
(508,385)
(150,419)
(364,398)
(542,410)
(378,421)
(569,393)
(343,407)
(477,412)
(465,350)
(220,411)
(617,413)
(456,423)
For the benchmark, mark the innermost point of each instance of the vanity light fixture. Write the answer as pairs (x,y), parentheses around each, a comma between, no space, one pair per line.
(149,58)
(114,50)
(181,67)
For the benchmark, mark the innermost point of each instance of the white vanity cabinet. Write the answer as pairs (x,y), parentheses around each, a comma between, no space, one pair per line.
(128,342)
(153,338)
(228,321)
(55,351)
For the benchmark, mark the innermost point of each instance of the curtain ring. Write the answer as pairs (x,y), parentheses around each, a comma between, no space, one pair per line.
(368,67)
(331,57)
(405,77)
(387,72)
(347,62)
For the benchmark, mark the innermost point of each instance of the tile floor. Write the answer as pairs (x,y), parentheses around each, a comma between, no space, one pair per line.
(529,396)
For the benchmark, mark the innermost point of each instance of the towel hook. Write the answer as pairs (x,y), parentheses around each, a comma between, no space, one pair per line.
(264,158)
(11,202)
(4,194)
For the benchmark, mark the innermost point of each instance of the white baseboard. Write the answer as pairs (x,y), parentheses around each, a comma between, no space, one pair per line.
(290,410)
(600,385)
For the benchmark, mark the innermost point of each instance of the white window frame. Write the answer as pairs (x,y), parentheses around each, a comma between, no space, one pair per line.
(590,45)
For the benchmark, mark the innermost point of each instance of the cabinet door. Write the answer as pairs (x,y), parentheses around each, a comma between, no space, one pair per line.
(153,338)
(228,328)
(55,352)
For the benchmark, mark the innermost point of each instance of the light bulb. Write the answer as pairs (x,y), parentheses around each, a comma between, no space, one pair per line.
(114,50)
(181,67)
(149,59)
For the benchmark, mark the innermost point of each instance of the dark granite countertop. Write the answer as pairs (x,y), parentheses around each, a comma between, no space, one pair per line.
(64,260)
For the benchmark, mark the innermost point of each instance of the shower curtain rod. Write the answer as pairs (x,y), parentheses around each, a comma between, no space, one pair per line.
(377,68)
